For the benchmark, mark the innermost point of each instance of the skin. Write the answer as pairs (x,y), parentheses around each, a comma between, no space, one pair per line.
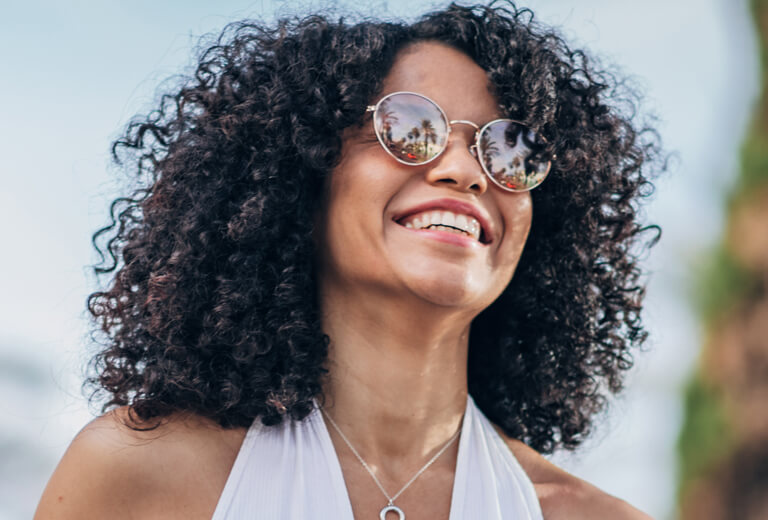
(398,310)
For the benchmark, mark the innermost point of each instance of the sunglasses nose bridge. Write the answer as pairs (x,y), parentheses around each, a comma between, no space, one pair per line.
(473,147)
(463,122)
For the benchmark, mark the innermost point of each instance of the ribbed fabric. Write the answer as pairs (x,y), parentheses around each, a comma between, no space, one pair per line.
(291,472)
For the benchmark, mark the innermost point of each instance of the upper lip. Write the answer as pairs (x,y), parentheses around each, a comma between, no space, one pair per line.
(455,206)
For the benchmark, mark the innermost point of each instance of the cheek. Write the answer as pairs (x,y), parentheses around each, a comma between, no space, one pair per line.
(337,215)
(522,219)
(517,215)
(350,218)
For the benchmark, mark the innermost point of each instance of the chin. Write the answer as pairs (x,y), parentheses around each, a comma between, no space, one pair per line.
(452,292)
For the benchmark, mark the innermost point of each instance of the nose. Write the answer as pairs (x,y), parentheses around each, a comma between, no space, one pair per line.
(457,166)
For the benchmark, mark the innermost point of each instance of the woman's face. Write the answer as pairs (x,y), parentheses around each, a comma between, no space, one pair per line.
(371,197)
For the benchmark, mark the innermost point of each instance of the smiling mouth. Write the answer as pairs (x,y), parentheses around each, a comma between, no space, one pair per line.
(446,222)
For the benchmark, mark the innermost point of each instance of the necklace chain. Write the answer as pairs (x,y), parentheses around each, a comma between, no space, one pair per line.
(391,499)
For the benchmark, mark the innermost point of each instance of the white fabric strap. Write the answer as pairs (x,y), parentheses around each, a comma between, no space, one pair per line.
(292,472)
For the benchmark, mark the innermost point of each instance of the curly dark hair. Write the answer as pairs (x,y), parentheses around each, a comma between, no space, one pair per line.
(212,305)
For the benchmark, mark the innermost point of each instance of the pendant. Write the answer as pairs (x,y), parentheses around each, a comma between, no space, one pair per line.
(391,507)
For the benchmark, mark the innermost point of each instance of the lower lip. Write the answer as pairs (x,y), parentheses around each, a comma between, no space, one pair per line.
(446,236)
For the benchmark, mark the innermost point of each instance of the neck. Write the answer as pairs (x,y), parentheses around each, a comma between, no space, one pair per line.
(397,383)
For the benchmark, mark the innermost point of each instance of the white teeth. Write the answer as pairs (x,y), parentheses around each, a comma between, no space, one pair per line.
(448,219)
(461,222)
(474,227)
(445,221)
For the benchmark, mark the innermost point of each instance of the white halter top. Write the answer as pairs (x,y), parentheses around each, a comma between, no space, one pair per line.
(291,472)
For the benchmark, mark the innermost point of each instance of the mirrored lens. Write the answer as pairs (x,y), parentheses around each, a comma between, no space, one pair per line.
(514,156)
(411,127)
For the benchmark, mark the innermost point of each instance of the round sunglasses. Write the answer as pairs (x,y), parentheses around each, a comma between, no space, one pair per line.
(414,130)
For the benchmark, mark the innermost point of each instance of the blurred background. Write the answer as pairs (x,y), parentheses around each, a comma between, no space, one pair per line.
(689,436)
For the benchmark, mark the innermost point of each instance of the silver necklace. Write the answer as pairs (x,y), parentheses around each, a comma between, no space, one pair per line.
(390,507)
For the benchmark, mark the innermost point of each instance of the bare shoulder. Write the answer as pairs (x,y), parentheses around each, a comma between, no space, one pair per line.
(565,496)
(113,470)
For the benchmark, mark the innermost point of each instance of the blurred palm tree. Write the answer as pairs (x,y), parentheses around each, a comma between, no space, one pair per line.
(388,119)
(429,133)
(413,148)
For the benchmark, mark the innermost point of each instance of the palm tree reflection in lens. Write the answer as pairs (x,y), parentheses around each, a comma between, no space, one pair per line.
(521,163)
(411,128)
(414,130)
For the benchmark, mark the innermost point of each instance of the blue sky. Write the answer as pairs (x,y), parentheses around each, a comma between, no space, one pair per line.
(73,73)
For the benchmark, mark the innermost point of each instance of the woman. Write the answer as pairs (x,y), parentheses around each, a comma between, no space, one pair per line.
(313,312)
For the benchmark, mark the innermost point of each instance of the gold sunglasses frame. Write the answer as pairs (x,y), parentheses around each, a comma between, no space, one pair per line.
(474,150)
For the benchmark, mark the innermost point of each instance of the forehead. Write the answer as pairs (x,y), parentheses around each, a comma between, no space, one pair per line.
(446,75)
